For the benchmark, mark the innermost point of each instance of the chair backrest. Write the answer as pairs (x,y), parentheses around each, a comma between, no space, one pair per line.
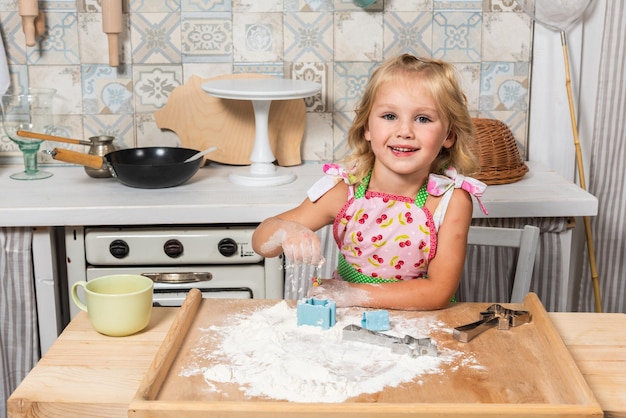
(525,239)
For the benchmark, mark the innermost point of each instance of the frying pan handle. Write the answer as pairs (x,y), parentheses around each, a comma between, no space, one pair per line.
(46,137)
(93,161)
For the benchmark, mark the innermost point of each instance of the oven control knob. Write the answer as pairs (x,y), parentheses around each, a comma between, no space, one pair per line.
(173,248)
(227,247)
(119,248)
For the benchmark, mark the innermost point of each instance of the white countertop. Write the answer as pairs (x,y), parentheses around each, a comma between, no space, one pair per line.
(70,197)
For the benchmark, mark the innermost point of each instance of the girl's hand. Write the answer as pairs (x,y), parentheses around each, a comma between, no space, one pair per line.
(343,293)
(300,244)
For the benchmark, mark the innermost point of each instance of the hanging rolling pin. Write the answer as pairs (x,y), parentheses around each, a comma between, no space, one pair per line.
(32,20)
(112,26)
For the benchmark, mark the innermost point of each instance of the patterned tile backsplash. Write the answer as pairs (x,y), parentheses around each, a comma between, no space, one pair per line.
(333,42)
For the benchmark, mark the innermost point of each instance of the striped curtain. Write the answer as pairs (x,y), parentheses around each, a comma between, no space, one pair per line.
(607,177)
(19,338)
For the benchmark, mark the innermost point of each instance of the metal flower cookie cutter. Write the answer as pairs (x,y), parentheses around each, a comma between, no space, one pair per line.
(495,316)
(414,347)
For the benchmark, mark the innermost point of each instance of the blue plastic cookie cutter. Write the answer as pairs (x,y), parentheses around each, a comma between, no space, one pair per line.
(376,320)
(317,312)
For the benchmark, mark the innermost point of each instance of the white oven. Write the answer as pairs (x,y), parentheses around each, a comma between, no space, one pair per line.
(216,259)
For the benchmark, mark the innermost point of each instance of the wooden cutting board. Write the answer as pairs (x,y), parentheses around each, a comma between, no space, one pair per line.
(201,121)
(525,371)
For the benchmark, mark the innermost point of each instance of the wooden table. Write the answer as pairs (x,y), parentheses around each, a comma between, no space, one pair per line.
(85,374)
(597,343)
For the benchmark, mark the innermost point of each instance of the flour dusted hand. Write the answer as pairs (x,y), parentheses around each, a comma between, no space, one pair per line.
(300,244)
(341,292)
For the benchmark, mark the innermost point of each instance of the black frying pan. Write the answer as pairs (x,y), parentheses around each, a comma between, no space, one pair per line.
(145,168)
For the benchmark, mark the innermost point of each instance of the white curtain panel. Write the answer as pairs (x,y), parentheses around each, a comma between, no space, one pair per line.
(5,78)
(607,177)
(19,339)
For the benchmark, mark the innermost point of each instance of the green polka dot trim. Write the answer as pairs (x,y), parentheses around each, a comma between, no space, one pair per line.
(360,191)
(420,199)
(350,274)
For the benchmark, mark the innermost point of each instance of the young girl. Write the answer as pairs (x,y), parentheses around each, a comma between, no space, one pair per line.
(401,213)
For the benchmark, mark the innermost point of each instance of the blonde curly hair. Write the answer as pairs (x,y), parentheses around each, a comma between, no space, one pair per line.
(441,78)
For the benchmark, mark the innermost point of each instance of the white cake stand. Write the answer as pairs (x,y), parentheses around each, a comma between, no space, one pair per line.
(261,91)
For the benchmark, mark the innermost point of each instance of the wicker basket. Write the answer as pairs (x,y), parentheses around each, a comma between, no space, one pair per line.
(499,158)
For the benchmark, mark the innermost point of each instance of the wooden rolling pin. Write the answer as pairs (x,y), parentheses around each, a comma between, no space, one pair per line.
(164,358)
(112,26)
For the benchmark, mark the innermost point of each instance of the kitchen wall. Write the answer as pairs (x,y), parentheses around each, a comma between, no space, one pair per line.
(333,42)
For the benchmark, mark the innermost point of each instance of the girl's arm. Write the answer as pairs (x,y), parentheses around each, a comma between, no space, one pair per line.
(292,232)
(434,292)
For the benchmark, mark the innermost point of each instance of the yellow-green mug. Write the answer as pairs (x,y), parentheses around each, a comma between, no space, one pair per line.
(117,305)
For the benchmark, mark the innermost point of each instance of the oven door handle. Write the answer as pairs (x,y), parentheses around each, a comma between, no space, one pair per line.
(189,277)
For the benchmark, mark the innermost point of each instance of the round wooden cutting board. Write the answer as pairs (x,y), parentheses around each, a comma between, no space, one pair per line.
(201,121)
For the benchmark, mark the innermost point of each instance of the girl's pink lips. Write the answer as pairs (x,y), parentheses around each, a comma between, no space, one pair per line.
(403,150)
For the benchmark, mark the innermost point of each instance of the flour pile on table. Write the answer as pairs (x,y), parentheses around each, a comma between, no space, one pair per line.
(268,355)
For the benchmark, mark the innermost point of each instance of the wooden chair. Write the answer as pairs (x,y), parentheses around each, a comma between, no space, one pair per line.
(525,239)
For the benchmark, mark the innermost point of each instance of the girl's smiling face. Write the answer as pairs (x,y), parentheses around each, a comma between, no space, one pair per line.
(404,128)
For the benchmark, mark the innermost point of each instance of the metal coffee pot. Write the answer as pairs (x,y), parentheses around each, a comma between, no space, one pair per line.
(100,145)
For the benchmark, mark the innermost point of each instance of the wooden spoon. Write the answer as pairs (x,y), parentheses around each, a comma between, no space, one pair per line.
(200,154)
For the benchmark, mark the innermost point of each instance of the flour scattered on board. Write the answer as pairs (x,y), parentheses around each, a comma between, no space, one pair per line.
(267,355)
